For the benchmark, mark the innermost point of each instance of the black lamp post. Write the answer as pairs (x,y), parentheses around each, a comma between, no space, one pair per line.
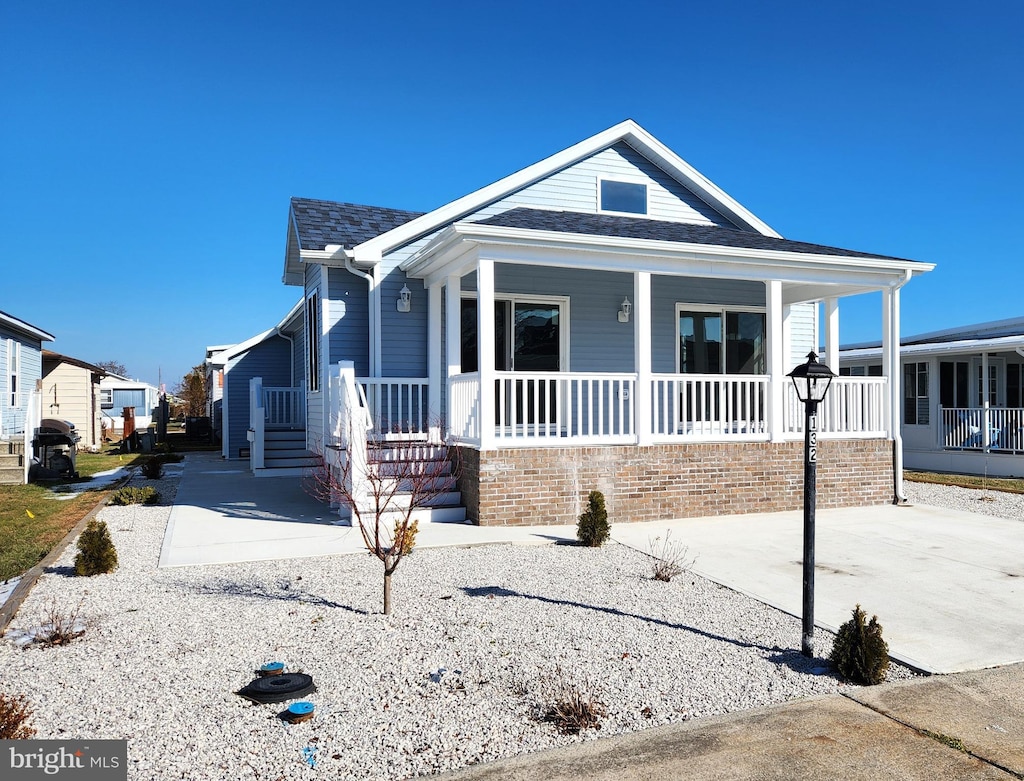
(811,380)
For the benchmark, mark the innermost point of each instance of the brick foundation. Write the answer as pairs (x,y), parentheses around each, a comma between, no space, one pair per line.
(550,485)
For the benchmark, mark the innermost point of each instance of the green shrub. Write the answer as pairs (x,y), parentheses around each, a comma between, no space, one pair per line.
(14,712)
(131,495)
(860,654)
(153,468)
(96,552)
(593,527)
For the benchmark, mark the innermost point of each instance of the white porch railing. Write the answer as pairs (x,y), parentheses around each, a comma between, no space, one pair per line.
(285,407)
(257,424)
(709,407)
(397,405)
(599,408)
(584,407)
(464,408)
(979,428)
(854,407)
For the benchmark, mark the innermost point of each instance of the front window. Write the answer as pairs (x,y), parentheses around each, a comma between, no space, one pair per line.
(1015,385)
(915,394)
(313,341)
(954,383)
(721,342)
(628,197)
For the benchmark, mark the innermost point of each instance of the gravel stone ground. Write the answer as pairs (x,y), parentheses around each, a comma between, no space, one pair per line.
(482,640)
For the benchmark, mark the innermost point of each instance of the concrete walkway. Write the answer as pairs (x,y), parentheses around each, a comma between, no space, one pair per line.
(946,585)
(946,728)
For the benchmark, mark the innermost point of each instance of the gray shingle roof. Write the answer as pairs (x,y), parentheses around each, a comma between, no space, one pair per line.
(320,223)
(659,230)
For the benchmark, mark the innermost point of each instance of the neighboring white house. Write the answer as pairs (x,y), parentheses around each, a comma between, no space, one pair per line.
(71,392)
(117,393)
(606,318)
(962,398)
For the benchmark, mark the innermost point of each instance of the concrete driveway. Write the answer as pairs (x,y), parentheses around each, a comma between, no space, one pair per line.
(946,585)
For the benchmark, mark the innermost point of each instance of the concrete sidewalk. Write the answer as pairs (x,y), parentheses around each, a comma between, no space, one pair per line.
(964,726)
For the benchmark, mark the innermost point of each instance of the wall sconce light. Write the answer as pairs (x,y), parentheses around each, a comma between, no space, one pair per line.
(625,310)
(405,299)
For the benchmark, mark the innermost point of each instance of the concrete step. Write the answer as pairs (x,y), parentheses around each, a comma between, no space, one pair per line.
(12,475)
(281,471)
(10,460)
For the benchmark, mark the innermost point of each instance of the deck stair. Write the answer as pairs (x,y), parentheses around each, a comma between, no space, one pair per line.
(392,459)
(285,454)
(12,463)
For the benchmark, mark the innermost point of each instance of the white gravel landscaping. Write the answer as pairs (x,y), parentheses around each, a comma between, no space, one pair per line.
(479,640)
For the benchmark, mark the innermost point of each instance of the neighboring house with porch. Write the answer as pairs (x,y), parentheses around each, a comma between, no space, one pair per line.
(963,397)
(71,392)
(274,358)
(606,318)
(116,394)
(21,368)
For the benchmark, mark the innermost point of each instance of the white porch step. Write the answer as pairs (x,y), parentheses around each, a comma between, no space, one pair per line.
(281,471)
(289,452)
(453,514)
(303,462)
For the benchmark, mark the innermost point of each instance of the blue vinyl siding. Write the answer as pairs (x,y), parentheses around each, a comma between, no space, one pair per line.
(404,334)
(349,319)
(270,360)
(30,370)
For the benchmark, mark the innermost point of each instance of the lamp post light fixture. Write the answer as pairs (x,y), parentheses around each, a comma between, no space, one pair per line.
(811,380)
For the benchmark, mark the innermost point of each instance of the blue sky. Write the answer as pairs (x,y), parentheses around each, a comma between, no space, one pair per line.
(149,150)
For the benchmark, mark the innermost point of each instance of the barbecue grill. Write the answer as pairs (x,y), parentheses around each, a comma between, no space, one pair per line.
(54,449)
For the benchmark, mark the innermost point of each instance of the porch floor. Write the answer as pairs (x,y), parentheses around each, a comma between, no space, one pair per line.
(943,583)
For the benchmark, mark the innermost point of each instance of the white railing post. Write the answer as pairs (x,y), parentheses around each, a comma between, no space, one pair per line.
(33,417)
(354,420)
(257,424)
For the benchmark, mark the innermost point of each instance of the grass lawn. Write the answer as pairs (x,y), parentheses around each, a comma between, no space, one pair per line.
(33,519)
(1013,485)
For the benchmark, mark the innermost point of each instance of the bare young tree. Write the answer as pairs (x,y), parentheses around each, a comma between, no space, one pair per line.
(382,485)
(113,367)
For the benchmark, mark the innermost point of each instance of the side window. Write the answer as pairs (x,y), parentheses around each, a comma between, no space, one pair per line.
(313,341)
(107,398)
(915,394)
(13,369)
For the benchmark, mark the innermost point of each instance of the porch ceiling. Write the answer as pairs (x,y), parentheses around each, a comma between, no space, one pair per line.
(812,272)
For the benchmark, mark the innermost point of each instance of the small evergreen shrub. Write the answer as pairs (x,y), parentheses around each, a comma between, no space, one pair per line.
(860,654)
(593,528)
(153,468)
(132,495)
(14,712)
(96,552)
(406,542)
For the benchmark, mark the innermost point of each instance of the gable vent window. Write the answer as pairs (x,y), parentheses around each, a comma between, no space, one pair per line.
(628,197)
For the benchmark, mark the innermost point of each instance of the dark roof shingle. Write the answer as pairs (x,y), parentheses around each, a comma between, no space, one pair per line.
(320,223)
(659,230)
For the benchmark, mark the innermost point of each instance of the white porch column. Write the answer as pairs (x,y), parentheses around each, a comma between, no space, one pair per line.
(453,325)
(986,440)
(832,333)
(642,316)
(434,411)
(892,370)
(485,349)
(776,359)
